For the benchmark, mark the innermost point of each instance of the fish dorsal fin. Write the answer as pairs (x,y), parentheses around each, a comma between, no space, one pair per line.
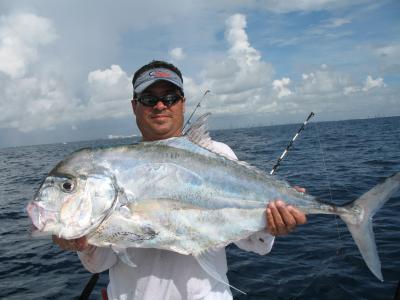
(198,132)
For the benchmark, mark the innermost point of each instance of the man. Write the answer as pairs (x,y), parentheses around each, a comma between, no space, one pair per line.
(159,105)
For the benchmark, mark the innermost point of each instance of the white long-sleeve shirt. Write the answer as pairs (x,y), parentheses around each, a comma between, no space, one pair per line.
(164,275)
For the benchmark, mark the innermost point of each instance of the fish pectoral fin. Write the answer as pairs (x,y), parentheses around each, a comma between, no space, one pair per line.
(124,256)
(205,261)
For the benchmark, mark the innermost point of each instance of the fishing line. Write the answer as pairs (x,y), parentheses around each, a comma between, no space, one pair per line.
(329,186)
(324,163)
(340,245)
(315,277)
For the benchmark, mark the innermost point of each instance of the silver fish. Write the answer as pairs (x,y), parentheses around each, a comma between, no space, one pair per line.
(177,195)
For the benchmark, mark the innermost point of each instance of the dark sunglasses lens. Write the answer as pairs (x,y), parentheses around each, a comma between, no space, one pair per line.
(150,100)
(170,99)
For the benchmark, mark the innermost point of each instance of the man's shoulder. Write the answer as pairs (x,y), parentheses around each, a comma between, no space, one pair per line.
(222,149)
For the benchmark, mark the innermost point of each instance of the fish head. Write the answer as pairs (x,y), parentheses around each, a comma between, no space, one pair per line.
(71,203)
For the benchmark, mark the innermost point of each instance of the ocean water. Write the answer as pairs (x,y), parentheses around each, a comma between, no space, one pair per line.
(337,161)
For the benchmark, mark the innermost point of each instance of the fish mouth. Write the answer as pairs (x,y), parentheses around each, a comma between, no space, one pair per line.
(36,233)
(33,211)
(39,216)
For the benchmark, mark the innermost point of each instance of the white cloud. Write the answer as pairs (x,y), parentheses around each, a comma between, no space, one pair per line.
(21,36)
(351,89)
(239,79)
(45,100)
(322,80)
(371,83)
(69,77)
(109,93)
(29,103)
(325,82)
(306,5)
(389,57)
(281,87)
(338,22)
(389,51)
(241,83)
(177,54)
(106,78)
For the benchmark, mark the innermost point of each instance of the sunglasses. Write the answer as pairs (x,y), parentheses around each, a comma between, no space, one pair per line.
(151,100)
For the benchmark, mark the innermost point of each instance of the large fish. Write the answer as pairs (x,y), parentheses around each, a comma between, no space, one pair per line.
(177,195)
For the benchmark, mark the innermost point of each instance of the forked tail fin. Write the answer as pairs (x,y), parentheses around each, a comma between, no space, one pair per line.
(358,219)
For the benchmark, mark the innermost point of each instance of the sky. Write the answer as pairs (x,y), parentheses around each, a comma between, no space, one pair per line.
(66,66)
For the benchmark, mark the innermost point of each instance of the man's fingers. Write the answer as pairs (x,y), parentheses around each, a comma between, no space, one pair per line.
(79,244)
(270,222)
(299,217)
(299,189)
(282,218)
(279,225)
(287,218)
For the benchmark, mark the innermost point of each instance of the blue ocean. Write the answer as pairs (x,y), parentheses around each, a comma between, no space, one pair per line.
(336,161)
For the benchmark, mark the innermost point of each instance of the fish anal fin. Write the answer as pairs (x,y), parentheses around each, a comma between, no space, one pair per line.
(205,261)
(124,256)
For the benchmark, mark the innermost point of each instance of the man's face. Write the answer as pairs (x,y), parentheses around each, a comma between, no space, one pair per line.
(159,121)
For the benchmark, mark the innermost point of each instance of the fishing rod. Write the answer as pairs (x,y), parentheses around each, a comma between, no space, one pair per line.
(89,287)
(197,106)
(290,144)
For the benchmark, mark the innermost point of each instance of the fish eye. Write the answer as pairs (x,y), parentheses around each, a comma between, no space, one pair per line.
(67,186)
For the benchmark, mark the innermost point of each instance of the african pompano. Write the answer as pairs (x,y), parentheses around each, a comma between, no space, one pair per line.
(177,195)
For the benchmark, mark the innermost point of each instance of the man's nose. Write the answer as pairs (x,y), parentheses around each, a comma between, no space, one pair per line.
(160,105)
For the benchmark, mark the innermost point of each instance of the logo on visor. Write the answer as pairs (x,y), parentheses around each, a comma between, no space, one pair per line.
(159,74)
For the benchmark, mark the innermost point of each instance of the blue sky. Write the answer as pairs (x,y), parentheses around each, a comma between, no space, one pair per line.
(66,66)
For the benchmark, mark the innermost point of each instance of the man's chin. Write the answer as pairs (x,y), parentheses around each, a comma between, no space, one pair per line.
(161,129)
(160,123)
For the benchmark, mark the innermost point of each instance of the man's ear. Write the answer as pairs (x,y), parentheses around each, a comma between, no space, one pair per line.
(184,104)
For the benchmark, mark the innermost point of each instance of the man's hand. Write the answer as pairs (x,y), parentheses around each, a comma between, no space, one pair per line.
(80,244)
(282,218)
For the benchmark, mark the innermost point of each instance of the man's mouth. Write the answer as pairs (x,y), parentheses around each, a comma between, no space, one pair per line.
(159,116)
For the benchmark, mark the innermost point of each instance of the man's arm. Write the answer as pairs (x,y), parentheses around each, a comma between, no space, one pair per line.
(80,244)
